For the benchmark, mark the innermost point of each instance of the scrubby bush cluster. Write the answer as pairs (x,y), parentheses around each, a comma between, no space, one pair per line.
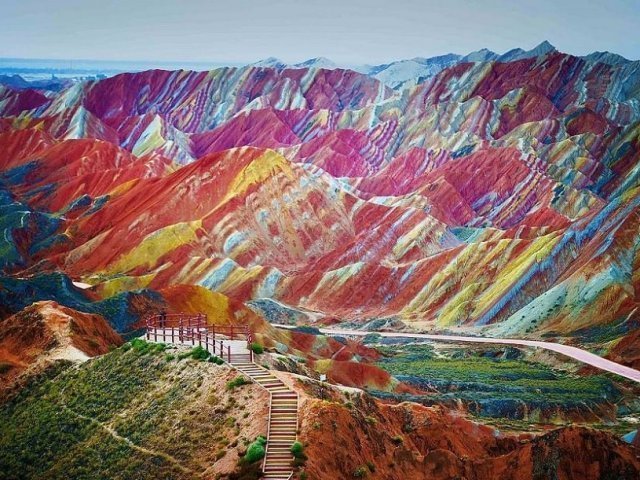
(143,347)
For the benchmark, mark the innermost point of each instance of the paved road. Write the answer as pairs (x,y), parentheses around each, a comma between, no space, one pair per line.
(573,352)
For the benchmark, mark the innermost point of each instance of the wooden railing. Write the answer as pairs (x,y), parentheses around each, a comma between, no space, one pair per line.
(194,329)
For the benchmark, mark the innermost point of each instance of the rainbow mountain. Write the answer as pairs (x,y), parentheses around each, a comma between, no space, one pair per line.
(495,193)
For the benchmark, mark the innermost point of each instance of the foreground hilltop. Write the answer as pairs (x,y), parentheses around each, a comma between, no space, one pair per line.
(148,411)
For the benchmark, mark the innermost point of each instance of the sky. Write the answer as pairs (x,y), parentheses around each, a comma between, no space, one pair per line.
(346,31)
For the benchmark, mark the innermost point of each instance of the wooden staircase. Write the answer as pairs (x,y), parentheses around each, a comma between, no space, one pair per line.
(283,421)
(283,402)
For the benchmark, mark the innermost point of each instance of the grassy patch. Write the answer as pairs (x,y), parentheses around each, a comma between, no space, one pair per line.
(143,347)
(477,377)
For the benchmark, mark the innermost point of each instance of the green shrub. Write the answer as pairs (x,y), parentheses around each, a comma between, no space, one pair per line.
(236,382)
(256,450)
(199,353)
(297,449)
(257,348)
(168,357)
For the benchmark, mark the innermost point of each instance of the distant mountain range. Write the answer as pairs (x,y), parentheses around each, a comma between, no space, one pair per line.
(393,74)
(420,68)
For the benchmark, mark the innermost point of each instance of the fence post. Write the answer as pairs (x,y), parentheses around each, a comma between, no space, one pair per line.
(229,353)
(173,332)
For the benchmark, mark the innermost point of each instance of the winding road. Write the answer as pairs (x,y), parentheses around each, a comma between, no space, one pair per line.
(572,352)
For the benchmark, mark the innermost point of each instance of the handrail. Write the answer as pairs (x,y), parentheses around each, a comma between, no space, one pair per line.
(199,322)
(266,448)
(193,328)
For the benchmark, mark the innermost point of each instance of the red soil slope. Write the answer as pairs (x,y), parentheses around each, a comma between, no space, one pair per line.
(46,330)
(409,441)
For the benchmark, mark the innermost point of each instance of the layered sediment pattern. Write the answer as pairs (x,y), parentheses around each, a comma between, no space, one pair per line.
(496,194)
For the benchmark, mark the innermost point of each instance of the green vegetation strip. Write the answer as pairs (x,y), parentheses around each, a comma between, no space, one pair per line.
(128,414)
(477,376)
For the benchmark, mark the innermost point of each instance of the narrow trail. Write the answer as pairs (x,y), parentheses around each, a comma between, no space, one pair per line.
(576,353)
(117,436)
(113,433)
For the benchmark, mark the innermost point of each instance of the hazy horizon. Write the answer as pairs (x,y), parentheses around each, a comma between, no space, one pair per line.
(354,32)
(90,63)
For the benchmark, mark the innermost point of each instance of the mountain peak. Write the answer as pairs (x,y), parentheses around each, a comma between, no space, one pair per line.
(273,62)
(543,48)
(318,62)
(606,57)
